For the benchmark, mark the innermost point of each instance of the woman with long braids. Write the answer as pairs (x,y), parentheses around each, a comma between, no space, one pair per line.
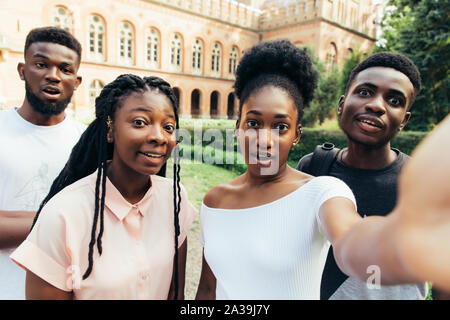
(112,226)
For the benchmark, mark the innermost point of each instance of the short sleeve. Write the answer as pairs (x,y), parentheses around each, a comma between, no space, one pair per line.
(45,252)
(187,215)
(331,187)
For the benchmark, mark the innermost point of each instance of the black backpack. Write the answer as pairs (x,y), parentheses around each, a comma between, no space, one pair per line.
(322,159)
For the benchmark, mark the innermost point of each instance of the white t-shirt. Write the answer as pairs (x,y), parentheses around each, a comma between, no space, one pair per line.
(273,251)
(31,157)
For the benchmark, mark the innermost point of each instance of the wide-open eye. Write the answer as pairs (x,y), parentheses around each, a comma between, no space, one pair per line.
(139,123)
(282,126)
(364,92)
(169,127)
(394,101)
(252,123)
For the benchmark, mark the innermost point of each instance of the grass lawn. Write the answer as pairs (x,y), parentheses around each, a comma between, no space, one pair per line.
(198,178)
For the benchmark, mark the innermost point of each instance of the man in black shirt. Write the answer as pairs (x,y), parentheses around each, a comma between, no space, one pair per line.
(376,104)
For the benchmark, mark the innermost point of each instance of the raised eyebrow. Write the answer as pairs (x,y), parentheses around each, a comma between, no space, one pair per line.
(254,112)
(143,109)
(282,116)
(373,86)
(397,92)
(367,84)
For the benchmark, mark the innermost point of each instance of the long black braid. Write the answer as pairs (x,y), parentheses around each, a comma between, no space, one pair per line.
(93,151)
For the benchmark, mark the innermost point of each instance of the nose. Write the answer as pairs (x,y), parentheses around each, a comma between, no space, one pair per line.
(156,134)
(266,138)
(52,74)
(376,105)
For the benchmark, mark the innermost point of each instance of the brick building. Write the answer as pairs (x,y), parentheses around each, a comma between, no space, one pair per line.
(193,44)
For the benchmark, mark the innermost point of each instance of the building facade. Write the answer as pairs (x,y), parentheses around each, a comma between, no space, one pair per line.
(193,44)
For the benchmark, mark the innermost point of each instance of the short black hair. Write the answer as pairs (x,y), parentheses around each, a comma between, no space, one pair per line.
(53,35)
(281,64)
(392,60)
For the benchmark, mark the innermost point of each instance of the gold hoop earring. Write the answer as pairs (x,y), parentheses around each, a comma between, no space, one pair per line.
(109,123)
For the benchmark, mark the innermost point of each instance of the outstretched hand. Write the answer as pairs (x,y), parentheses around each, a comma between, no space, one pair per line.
(424,208)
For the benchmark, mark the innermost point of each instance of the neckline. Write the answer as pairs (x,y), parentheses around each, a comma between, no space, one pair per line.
(262,205)
(29,124)
(372,171)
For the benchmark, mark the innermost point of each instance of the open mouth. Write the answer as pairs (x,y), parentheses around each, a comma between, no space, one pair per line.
(264,159)
(152,155)
(370,123)
(51,91)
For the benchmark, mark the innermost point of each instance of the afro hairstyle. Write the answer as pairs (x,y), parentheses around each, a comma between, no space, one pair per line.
(280,64)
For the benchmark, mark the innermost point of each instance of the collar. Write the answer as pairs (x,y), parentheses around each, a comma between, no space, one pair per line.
(117,204)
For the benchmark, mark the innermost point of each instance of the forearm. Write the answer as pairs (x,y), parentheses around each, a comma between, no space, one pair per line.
(14,227)
(207,285)
(375,245)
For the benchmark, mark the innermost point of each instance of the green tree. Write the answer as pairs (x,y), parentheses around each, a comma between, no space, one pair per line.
(420,29)
(350,62)
(326,95)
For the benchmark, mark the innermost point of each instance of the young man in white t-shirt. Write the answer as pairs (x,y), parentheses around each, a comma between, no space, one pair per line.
(35,141)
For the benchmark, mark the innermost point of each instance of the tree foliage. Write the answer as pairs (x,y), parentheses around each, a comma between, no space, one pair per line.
(420,29)
(326,95)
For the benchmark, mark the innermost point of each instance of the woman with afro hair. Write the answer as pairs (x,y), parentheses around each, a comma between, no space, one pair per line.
(266,234)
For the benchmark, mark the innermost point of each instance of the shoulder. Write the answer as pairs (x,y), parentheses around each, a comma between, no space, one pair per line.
(214,196)
(220,193)
(73,197)
(6,115)
(165,185)
(76,125)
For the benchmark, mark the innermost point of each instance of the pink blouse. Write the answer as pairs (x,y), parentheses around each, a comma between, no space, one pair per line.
(138,241)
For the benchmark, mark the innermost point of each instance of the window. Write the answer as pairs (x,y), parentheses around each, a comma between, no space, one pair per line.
(126,43)
(152,48)
(216,59)
(197,55)
(96,38)
(62,18)
(95,88)
(331,59)
(233,61)
(176,52)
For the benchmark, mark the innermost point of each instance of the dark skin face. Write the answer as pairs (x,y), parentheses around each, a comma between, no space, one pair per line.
(143,134)
(50,71)
(373,111)
(268,129)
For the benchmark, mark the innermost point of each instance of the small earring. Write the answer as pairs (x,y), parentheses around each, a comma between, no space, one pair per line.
(109,123)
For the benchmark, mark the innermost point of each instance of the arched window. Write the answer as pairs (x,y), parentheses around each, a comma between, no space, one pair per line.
(126,43)
(95,88)
(233,60)
(216,59)
(331,59)
(230,105)
(176,52)
(152,53)
(62,18)
(197,56)
(96,38)
(214,104)
(195,103)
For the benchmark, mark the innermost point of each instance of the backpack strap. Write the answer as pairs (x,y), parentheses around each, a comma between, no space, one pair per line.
(323,157)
